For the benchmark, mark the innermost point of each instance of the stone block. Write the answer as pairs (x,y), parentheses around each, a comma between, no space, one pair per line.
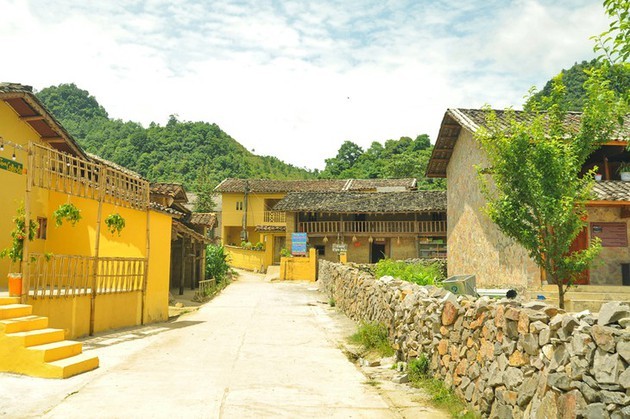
(605,367)
(611,312)
(449,313)
(570,403)
(603,337)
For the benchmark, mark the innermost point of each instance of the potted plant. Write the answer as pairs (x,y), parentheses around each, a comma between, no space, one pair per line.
(15,252)
(598,177)
(115,223)
(624,171)
(66,212)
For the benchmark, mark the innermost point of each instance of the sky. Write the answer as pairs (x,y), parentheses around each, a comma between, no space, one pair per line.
(295,79)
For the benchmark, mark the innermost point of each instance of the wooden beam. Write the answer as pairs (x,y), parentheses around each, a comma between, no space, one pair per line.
(440,150)
(616,143)
(32,118)
(53,140)
(607,203)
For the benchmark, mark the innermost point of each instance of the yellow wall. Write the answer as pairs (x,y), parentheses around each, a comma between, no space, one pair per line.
(299,268)
(70,314)
(13,185)
(250,259)
(156,299)
(73,314)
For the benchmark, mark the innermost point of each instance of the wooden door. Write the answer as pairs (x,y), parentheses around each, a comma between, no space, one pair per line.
(581,243)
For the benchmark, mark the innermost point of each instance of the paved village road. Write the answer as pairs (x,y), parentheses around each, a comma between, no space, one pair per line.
(259,349)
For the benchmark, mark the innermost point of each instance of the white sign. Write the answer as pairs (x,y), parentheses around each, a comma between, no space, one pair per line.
(340,247)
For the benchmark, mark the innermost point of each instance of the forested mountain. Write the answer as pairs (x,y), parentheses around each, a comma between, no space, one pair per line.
(197,154)
(618,75)
(200,154)
(403,158)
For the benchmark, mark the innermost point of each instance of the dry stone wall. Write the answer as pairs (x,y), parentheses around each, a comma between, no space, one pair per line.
(505,358)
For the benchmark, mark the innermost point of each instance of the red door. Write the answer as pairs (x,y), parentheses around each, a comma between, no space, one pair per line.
(581,243)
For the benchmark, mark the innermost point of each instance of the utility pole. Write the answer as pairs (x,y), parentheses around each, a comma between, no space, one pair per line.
(244,231)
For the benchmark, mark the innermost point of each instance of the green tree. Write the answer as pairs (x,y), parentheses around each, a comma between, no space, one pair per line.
(614,44)
(347,155)
(533,185)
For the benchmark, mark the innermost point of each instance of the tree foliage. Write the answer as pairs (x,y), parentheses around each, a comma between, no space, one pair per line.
(402,158)
(618,75)
(614,44)
(197,154)
(533,185)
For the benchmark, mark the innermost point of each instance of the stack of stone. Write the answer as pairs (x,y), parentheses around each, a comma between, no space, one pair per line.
(505,358)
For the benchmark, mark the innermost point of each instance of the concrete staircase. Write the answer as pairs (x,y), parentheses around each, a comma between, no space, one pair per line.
(28,346)
(583,297)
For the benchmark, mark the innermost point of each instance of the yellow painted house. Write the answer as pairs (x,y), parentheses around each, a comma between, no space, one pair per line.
(82,278)
(372,218)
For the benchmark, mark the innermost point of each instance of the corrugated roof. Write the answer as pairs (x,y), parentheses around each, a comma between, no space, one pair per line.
(363,202)
(315,185)
(472,119)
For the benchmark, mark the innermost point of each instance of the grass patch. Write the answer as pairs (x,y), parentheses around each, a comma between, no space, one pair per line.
(371,382)
(418,273)
(441,396)
(373,337)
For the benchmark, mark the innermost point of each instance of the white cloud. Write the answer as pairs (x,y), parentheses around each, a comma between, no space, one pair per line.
(297,78)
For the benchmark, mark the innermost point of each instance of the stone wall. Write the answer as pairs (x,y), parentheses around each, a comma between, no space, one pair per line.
(505,358)
(475,245)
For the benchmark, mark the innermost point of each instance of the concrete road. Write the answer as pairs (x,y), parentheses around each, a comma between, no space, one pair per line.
(259,349)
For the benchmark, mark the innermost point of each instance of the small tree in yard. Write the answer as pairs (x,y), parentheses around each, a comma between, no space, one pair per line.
(533,185)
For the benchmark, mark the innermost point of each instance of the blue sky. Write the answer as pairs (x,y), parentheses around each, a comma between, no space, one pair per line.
(295,79)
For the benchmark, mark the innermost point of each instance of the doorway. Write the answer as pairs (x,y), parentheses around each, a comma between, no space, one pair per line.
(279,242)
(377,252)
(581,243)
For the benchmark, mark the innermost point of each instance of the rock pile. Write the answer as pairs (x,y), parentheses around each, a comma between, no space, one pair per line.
(505,358)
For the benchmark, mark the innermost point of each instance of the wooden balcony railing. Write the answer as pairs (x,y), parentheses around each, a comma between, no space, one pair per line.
(71,175)
(373,227)
(275,217)
(71,275)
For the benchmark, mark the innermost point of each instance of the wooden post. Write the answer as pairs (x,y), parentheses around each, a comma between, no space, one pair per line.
(183,266)
(27,227)
(102,174)
(193,265)
(606,168)
(148,253)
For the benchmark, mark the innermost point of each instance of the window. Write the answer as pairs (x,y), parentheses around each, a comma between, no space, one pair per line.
(321,249)
(239,206)
(43,226)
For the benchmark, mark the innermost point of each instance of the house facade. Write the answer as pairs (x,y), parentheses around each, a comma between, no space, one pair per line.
(189,235)
(371,218)
(82,276)
(476,246)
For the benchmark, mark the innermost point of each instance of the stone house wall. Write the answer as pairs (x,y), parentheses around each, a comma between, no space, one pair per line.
(474,244)
(506,359)
(606,270)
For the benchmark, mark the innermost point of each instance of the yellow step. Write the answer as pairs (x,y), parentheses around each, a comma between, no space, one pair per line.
(10,311)
(23,324)
(58,350)
(9,300)
(74,365)
(39,337)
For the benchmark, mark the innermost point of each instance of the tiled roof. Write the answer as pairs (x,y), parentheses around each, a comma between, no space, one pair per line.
(203,218)
(611,190)
(472,119)
(166,210)
(270,228)
(174,190)
(24,102)
(363,202)
(113,165)
(315,185)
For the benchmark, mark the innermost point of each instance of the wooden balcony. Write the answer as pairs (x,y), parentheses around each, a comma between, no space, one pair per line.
(420,228)
(274,217)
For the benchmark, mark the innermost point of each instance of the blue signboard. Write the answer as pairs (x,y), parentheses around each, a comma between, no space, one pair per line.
(298,243)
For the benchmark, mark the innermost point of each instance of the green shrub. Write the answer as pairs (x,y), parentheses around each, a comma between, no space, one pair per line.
(285,253)
(217,262)
(259,246)
(418,368)
(373,337)
(418,273)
